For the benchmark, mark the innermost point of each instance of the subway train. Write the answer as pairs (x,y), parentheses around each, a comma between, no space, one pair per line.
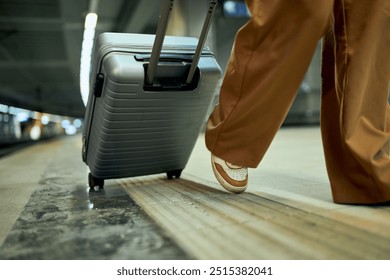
(19,125)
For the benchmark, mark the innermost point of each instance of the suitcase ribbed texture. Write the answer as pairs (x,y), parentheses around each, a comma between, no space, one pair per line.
(134,132)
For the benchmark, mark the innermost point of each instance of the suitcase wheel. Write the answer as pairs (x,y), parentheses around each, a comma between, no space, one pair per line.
(174,174)
(92,181)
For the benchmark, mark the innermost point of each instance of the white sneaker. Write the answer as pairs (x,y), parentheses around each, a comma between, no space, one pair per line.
(232,177)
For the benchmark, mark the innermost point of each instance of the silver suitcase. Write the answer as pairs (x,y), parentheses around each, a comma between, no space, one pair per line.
(149,99)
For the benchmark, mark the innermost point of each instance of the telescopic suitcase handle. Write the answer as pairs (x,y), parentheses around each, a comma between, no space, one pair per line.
(165,13)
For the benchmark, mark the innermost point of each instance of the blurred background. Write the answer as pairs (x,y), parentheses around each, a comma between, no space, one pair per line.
(45,54)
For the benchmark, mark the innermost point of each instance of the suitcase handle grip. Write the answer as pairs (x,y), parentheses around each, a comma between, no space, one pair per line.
(165,13)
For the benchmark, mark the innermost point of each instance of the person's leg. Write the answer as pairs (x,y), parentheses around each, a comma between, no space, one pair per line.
(269,59)
(355,115)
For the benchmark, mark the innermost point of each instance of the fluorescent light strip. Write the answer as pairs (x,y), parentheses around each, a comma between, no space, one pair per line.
(86,53)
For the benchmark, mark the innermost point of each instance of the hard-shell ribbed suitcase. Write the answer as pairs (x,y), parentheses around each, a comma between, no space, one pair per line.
(142,118)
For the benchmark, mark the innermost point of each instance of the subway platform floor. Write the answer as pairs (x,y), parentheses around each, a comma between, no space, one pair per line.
(47,210)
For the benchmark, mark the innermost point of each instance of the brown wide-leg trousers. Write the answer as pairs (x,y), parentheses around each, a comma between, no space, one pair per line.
(269,59)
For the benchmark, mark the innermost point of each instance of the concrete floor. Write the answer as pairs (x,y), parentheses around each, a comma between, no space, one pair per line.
(47,211)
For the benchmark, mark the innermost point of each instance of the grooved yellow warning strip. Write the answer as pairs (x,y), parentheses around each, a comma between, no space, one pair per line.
(212,224)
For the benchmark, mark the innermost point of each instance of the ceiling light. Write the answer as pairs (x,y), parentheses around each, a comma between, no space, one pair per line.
(86,53)
(90,21)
